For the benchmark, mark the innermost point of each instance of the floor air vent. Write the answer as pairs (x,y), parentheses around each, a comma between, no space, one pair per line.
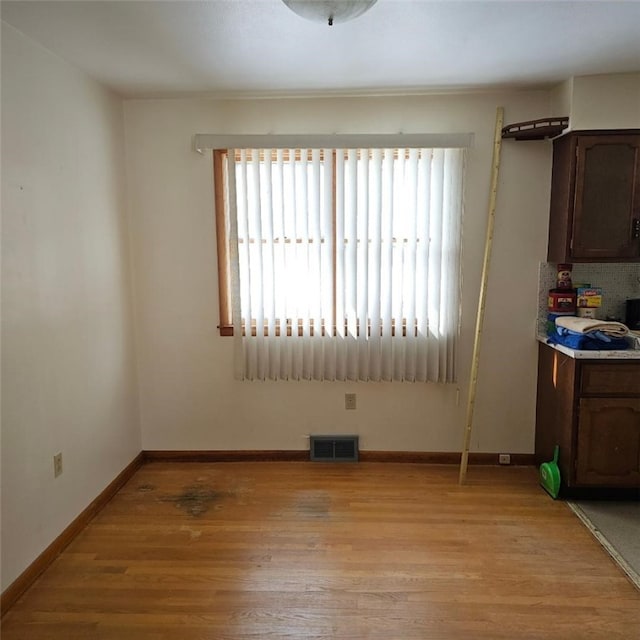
(334,448)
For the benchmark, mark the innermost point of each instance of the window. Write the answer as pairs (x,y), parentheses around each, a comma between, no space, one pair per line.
(340,264)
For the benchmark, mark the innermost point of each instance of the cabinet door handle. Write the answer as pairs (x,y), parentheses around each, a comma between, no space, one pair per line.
(635,228)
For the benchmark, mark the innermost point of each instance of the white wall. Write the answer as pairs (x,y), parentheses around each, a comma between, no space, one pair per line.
(68,366)
(606,102)
(561,99)
(189,399)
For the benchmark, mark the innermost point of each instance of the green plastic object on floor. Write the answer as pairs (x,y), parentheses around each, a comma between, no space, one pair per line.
(550,475)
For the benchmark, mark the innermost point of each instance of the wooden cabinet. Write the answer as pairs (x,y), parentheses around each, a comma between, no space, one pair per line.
(591,409)
(608,442)
(595,197)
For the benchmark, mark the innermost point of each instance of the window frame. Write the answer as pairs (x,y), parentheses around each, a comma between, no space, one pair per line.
(224,278)
(225,327)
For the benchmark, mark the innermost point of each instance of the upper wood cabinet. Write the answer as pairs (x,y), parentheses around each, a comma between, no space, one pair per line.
(595,197)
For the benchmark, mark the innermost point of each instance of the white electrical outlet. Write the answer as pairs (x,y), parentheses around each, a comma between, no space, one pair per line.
(504,458)
(57,465)
(349,400)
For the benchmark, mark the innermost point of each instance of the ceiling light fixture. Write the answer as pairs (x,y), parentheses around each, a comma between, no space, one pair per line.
(329,11)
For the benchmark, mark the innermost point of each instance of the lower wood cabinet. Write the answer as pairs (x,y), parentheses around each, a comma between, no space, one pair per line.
(591,409)
(608,442)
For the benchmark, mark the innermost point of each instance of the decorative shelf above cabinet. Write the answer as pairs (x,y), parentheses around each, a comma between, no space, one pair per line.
(536,129)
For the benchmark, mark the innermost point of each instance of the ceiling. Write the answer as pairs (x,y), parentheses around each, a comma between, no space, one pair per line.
(260,47)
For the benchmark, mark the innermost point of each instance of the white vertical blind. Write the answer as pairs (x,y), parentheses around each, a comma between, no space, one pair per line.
(345,263)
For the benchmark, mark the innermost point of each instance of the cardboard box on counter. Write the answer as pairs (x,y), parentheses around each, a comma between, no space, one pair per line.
(589,297)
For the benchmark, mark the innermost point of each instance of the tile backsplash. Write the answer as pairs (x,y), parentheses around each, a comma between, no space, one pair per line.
(618,281)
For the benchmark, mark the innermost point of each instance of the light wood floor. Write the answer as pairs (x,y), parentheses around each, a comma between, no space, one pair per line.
(234,551)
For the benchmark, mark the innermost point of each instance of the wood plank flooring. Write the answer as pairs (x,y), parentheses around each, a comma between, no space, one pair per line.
(230,551)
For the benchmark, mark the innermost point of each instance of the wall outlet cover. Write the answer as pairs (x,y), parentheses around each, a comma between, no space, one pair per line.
(349,400)
(57,465)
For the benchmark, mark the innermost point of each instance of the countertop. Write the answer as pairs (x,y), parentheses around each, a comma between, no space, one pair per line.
(628,354)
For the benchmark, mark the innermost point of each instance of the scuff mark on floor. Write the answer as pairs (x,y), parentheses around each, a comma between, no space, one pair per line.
(195,500)
(312,504)
(194,534)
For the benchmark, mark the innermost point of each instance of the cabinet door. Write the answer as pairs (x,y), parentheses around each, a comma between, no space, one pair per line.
(606,218)
(608,446)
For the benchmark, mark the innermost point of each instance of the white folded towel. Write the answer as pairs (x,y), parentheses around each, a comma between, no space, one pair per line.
(586,325)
